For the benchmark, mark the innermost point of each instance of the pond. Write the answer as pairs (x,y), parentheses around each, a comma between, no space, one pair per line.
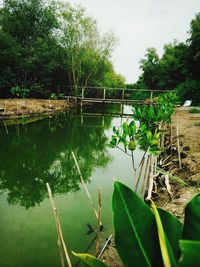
(33,154)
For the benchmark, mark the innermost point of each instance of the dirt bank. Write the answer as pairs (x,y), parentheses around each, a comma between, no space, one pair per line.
(13,108)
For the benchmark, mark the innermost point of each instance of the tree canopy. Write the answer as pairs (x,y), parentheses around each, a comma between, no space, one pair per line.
(178,67)
(52,47)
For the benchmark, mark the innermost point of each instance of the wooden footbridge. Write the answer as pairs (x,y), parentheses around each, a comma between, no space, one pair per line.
(122,96)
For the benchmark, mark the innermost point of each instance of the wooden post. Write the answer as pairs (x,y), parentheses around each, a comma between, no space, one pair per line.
(83,92)
(178,146)
(151,96)
(104,93)
(123,95)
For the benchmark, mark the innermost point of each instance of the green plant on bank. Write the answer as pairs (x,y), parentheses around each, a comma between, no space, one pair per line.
(148,134)
(20,92)
(197,124)
(148,237)
(194,110)
(55,96)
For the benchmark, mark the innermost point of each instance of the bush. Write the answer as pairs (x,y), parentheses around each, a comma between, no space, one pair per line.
(194,110)
(189,90)
(20,92)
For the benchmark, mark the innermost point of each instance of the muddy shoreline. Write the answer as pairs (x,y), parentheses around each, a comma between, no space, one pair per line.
(18,108)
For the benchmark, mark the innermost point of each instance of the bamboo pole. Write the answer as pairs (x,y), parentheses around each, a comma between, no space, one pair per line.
(59,230)
(84,186)
(151,179)
(99,223)
(104,247)
(178,146)
(138,176)
(146,173)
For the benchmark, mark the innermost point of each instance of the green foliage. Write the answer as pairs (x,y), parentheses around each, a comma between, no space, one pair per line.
(20,92)
(190,253)
(191,229)
(129,209)
(190,89)
(134,235)
(48,47)
(178,67)
(194,110)
(147,135)
(153,237)
(53,96)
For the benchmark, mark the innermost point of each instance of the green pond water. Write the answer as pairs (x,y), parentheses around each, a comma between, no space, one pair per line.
(35,153)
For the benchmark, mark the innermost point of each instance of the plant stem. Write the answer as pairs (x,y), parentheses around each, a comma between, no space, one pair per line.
(133,162)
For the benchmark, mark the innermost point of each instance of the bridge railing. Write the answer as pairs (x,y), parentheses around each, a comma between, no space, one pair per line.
(117,93)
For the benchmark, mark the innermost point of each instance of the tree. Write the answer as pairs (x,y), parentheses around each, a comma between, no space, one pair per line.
(29,51)
(173,66)
(86,49)
(194,47)
(150,68)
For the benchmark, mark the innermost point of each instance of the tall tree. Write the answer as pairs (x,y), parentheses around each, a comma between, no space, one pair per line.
(86,49)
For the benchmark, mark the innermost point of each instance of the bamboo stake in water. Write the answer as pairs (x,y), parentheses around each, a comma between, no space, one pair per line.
(59,230)
(99,222)
(178,145)
(84,186)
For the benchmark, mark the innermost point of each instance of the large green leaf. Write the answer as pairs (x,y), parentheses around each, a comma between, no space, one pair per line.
(173,229)
(162,237)
(135,229)
(191,230)
(190,253)
(89,260)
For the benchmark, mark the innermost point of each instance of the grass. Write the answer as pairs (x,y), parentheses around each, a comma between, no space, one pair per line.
(194,110)
(197,124)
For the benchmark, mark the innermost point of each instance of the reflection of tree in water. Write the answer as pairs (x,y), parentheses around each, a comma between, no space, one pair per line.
(35,154)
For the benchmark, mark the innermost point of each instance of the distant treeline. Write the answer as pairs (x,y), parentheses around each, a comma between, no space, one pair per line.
(178,68)
(49,48)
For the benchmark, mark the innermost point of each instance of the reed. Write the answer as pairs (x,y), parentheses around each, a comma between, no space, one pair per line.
(61,242)
(84,186)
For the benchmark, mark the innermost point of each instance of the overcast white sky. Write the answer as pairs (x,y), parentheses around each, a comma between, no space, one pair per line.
(140,24)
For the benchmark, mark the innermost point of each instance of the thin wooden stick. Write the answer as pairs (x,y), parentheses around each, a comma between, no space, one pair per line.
(58,226)
(139,174)
(146,173)
(151,180)
(178,146)
(171,129)
(104,247)
(99,222)
(84,186)
(168,186)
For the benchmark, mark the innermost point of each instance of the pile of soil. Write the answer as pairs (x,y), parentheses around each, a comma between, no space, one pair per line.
(14,108)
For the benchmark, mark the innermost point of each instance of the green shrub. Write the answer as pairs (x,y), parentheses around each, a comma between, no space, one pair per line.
(194,110)
(189,90)
(20,92)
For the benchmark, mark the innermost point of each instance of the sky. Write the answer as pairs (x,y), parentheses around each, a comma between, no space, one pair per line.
(140,24)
